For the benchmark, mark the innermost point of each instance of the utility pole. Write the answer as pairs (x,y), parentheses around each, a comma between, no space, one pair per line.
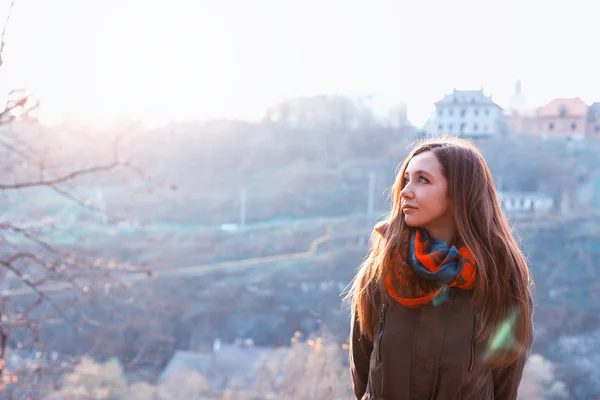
(102,205)
(243,199)
(370,205)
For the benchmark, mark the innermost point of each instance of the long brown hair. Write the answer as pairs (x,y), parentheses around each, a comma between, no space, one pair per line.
(502,287)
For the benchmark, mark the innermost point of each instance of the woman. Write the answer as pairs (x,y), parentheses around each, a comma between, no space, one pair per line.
(441,306)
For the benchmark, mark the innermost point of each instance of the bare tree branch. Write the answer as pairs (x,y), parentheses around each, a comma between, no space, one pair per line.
(8,264)
(59,180)
(12,3)
(24,255)
(24,316)
(27,234)
(19,152)
(6,115)
(76,200)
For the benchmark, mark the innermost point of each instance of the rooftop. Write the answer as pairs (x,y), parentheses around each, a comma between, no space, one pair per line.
(466,97)
(571,107)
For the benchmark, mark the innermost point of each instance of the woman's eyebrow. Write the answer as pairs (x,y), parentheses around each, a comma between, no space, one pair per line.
(419,171)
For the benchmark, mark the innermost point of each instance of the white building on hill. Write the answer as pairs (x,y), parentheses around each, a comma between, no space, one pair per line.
(468,113)
(530,203)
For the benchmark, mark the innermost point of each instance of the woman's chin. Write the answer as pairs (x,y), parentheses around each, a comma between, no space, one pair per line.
(410,222)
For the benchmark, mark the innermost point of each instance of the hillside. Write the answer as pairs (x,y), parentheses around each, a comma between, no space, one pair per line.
(300,185)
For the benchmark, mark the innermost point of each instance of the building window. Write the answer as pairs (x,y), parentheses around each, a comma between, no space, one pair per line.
(450,128)
(476,112)
(451,112)
(440,112)
(472,100)
(487,112)
(475,128)
(597,128)
(486,128)
(563,110)
(573,126)
(463,112)
(440,127)
(551,126)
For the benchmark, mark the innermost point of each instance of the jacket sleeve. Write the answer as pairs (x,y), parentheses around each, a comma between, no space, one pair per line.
(360,355)
(507,380)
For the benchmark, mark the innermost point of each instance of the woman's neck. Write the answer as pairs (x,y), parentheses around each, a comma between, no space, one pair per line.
(441,235)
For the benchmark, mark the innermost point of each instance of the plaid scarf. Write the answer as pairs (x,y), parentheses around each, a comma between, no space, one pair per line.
(423,269)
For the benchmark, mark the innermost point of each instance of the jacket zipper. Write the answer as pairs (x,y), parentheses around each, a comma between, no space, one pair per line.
(381,325)
(473,343)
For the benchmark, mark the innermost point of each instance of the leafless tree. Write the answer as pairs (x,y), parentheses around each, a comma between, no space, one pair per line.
(39,278)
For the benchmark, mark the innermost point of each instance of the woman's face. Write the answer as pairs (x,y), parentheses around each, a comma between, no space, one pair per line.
(425,203)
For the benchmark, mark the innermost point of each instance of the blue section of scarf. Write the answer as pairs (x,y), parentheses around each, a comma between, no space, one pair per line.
(447,257)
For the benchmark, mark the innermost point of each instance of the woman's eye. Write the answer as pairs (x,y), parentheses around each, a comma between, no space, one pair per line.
(422,179)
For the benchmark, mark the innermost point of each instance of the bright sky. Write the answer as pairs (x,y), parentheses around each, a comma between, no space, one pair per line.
(98,60)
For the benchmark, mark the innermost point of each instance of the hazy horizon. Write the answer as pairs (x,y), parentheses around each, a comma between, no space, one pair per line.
(105,61)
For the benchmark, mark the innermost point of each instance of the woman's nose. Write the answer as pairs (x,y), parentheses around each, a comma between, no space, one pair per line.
(407,192)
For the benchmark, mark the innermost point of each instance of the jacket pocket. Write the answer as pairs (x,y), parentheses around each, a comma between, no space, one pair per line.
(381,328)
(473,340)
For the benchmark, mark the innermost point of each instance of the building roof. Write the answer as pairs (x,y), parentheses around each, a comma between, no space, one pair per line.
(573,107)
(466,97)
(199,362)
(594,112)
